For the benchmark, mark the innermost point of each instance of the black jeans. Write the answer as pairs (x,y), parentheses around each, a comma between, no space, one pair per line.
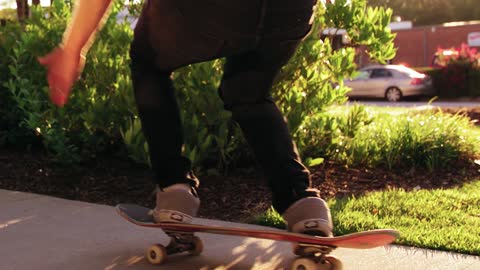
(257,37)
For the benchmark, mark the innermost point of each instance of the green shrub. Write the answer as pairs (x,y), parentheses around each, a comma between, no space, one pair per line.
(409,140)
(473,83)
(313,79)
(101,113)
(459,69)
(454,80)
(211,137)
(101,101)
(302,90)
(10,114)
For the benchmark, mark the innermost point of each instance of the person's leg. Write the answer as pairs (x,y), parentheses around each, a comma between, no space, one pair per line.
(162,128)
(245,90)
(166,39)
(158,109)
(161,124)
(161,44)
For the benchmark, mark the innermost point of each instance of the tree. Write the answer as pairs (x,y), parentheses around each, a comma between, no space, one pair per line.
(428,12)
(22,10)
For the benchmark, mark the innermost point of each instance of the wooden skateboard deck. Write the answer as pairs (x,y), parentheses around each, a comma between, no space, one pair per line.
(141,216)
(312,251)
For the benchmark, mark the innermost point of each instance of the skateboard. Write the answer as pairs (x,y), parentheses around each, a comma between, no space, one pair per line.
(312,251)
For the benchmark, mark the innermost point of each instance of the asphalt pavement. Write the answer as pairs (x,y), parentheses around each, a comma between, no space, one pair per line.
(418,104)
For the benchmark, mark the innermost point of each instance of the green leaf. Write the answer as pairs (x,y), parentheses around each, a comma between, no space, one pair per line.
(315,162)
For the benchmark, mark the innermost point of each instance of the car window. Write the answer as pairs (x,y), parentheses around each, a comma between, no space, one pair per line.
(380,73)
(362,74)
(407,71)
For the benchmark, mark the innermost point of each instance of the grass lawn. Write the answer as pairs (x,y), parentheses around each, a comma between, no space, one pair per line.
(440,219)
(369,136)
(443,219)
(436,219)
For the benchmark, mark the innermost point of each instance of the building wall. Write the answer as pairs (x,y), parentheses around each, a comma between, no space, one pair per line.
(417,46)
(410,49)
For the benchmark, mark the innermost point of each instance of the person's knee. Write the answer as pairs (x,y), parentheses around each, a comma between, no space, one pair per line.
(244,92)
(151,87)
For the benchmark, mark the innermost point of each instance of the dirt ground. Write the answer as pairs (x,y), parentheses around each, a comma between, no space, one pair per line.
(110,181)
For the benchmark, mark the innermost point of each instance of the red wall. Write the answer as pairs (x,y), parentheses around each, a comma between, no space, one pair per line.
(417,46)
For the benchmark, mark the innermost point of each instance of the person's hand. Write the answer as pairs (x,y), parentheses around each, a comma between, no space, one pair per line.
(63,69)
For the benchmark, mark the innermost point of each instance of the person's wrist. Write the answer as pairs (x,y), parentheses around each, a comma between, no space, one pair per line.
(72,50)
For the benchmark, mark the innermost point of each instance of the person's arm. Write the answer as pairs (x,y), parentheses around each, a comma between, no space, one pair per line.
(88,17)
(65,63)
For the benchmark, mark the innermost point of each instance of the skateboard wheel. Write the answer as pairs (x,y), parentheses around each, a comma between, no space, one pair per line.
(327,263)
(335,264)
(197,246)
(296,249)
(156,254)
(304,264)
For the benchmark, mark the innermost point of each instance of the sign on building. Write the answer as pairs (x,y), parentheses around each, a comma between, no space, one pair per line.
(474,39)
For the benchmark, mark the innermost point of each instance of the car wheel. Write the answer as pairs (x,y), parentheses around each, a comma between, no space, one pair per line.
(393,94)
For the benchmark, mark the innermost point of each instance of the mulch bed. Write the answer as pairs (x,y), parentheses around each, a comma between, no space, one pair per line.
(237,198)
(472,113)
(110,181)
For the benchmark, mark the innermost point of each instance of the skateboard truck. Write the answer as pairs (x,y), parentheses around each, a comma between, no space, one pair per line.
(311,257)
(315,257)
(179,242)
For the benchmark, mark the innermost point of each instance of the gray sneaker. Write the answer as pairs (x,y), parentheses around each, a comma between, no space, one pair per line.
(311,216)
(176,203)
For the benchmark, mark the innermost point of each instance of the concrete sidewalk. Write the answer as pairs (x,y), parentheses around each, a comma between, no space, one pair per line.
(40,232)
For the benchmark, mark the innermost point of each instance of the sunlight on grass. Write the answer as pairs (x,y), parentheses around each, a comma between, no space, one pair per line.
(344,109)
(442,219)
(270,218)
(437,219)
(394,138)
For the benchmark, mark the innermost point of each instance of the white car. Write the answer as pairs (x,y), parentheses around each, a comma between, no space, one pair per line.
(392,82)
